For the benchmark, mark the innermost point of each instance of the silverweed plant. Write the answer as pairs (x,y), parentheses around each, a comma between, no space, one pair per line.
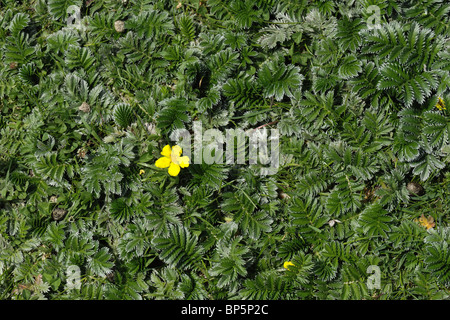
(98,201)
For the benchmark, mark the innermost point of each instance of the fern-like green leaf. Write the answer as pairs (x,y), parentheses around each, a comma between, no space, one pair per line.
(173,115)
(187,28)
(279,80)
(18,23)
(123,115)
(179,249)
(375,221)
(349,67)
(100,263)
(58,8)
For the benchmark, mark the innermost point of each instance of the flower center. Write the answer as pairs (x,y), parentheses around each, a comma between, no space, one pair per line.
(175,158)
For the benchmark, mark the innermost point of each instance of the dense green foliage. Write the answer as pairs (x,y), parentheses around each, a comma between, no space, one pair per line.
(88,103)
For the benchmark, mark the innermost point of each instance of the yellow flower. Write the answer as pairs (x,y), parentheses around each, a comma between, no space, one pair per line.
(141,172)
(287,264)
(427,222)
(172,159)
(440,104)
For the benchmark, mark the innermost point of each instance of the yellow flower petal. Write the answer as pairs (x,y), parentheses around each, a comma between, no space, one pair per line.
(174,169)
(166,151)
(287,264)
(141,172)
(163,162)
(440,104)
(177,150)
(183,161)
(427,222)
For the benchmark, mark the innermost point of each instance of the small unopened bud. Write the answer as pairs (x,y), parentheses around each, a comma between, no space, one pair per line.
(84,107)
(58,214)
(415,188)
(284,196)
(110,276)
(151,127)
(81,153)
(333,221)
(119,25)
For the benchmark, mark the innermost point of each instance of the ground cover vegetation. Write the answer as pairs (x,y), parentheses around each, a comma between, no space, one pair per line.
(90,92)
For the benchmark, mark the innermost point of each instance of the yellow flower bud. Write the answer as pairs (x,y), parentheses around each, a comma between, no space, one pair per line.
(287,264)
